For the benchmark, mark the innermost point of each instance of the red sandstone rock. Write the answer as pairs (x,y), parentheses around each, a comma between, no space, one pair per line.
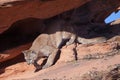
(66,67)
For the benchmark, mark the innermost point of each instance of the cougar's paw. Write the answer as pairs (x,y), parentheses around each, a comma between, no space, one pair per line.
(38,68)
(45,66)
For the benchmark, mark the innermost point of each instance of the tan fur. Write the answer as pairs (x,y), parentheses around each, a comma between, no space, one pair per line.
(92,40)
(41,47)
(49,43)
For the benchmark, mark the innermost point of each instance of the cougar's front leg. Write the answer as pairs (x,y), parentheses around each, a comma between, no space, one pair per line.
(51,59)
(58,39)
(37,66)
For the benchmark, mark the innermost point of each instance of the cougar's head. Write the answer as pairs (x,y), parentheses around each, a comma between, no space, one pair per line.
(30,56)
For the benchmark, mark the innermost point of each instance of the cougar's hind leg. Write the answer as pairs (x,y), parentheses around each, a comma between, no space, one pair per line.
(71,40)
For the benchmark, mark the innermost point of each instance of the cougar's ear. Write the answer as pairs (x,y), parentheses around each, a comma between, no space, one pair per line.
(25,51)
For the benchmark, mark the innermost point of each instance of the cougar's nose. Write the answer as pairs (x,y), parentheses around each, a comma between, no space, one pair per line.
(28,63)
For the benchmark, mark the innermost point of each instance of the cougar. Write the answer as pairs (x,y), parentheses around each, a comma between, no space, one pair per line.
(48,44)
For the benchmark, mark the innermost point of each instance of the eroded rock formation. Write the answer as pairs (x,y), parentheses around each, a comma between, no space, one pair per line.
(92,12)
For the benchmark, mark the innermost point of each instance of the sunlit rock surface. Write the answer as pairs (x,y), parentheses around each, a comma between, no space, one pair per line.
(98,59)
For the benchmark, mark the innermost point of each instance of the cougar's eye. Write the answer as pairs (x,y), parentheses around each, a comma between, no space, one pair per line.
(33,52)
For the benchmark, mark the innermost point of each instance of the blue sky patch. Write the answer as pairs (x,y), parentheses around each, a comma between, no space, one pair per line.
(113,16)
